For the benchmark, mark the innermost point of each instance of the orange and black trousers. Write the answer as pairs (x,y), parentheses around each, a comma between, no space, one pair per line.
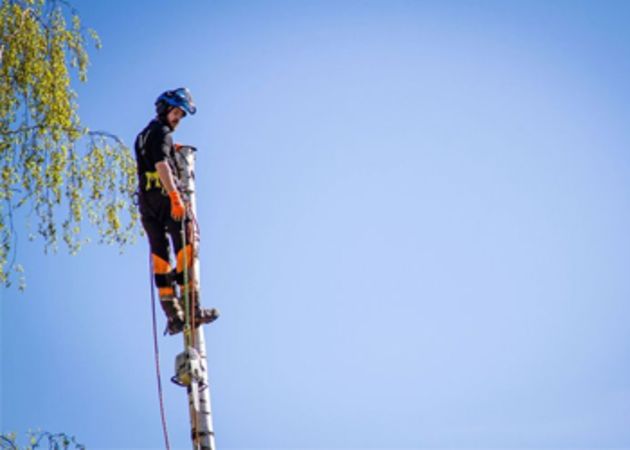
(163,231)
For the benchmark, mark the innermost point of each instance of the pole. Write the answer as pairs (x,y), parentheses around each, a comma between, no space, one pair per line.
(192,365)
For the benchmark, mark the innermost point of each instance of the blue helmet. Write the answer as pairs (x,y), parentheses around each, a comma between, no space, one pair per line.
(178,98)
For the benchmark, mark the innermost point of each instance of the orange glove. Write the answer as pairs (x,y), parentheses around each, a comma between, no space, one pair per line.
(177,207)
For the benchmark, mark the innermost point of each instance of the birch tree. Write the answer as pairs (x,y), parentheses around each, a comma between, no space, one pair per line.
(69,182)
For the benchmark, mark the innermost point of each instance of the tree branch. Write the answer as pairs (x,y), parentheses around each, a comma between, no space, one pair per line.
(5,440)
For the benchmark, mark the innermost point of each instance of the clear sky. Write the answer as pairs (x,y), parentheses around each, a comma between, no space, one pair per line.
(415,221)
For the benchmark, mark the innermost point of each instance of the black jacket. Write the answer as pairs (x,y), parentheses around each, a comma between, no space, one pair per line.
(153,145)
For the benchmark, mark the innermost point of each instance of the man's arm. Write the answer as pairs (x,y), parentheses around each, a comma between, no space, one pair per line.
(178,209)
(166,176)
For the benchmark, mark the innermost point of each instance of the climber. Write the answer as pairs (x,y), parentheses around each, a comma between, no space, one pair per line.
(163,210)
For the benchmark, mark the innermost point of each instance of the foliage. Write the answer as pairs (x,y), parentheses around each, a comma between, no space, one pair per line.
(41,440)
(50,164)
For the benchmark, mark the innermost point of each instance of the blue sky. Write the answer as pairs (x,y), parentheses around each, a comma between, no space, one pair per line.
(414,220)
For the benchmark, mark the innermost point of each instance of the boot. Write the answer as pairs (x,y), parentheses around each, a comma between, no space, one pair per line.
(202,315)
(205,315)
(174,314)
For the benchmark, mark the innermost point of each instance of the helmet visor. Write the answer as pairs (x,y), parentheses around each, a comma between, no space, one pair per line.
(184,100)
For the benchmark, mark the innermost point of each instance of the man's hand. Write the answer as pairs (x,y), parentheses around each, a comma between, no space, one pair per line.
(177,207)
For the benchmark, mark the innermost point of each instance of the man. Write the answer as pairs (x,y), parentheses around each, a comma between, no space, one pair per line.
(162,209)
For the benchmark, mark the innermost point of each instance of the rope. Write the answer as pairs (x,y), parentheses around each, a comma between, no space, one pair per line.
(156,351)
(189,328)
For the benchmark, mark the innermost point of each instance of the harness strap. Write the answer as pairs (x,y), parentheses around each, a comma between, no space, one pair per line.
(167,279)
(152,181)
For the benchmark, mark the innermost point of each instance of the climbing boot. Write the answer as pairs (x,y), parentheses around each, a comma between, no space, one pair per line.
(202,315)
(205,315)
(174,314)
(174,325)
